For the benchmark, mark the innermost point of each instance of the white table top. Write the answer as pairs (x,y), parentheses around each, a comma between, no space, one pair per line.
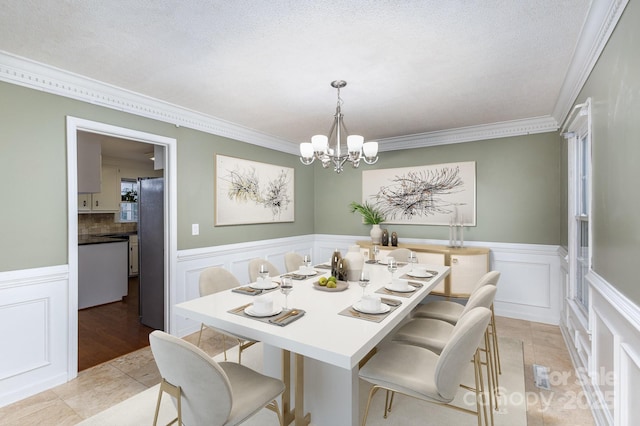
(321,333)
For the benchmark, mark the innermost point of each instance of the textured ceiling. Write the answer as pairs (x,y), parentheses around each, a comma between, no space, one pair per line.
(411,66)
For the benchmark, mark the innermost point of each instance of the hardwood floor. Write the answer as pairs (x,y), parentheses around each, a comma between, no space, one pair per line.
(109,331)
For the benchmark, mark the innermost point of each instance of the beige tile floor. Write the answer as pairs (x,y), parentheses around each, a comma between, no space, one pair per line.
(107,384)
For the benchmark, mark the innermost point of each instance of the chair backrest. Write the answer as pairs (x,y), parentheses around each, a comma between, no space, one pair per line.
(483,297)
(205,387)
(463,342)
(215,279)
(292,261)
(490,278)
(400,254)
(254,268)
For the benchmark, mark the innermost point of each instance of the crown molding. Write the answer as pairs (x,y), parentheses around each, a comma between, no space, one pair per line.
(473,133)
(25,72)
(599,24)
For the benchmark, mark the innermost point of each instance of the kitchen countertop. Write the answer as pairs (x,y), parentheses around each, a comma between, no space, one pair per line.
(100,239)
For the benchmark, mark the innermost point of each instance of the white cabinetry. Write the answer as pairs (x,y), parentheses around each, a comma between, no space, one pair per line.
(108,199)
(133,255)
(102,273)
(89,162)
(467,264)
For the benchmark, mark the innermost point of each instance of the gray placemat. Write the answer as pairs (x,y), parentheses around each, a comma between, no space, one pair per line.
(349,311)
(274,319)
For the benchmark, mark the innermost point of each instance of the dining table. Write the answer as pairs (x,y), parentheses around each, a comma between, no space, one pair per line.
(327,338)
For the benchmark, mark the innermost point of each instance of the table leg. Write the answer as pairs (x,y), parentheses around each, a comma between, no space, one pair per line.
(297,414)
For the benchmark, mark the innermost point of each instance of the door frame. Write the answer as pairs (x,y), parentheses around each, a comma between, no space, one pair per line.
(75,124)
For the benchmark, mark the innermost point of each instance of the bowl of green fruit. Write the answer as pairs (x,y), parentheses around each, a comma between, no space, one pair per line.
(330,284)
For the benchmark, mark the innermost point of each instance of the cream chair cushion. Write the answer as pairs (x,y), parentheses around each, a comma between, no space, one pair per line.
(400,254)
(292,261)
(423,374)
(254,268)
(211,393)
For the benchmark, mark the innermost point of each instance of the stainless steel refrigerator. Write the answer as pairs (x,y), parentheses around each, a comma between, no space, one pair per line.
(151,251)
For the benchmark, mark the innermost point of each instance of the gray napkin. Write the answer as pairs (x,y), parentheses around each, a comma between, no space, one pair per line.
(288,320)
(390,302)
(247,290)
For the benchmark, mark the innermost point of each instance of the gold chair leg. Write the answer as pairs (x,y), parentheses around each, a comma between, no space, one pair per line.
(386,404)
(224,347)
(202,326)
(494,331)
(273,406)
(490,376)
(373,391)
(391,401)
(174,391)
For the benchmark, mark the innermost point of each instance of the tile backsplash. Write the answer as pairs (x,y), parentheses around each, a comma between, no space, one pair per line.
(102,223)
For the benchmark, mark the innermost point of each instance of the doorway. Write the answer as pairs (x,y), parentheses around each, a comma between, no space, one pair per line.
(170,247)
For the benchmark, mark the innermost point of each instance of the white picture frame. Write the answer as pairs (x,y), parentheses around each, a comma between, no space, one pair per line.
(249,192)
(438,194)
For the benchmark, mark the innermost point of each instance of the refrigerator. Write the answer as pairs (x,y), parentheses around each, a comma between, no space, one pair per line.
(151,251)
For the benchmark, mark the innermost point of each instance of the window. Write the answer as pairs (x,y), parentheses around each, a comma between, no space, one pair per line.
(129,200)
(580,205)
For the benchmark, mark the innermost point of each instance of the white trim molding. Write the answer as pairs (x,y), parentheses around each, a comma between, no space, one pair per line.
(598,26)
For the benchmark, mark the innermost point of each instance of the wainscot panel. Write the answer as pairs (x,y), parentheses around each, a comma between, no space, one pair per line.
(34,329)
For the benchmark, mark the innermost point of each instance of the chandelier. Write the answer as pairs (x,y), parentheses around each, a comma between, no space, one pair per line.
(319,147)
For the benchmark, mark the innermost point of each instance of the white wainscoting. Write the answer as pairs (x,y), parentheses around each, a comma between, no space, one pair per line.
(529,288)
(613,384)
(34,331)
(34,303)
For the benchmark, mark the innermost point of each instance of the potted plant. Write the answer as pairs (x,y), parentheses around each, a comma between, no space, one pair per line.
(371,216)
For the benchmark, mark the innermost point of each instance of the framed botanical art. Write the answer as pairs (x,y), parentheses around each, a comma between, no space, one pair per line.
(252,192)
(439,194)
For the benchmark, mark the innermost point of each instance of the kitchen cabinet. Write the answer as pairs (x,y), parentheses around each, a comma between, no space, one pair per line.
(102,273)
(468,264)
(89,166)
(133,255)
(108,199)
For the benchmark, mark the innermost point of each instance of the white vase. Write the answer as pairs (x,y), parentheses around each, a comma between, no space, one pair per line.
(376,234)
(355,263)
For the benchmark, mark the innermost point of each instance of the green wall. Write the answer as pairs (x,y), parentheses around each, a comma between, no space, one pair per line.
(33,178)
(614,86)
(518,190)
(518,194)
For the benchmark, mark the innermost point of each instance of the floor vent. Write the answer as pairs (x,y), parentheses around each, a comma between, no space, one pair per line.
(541,376)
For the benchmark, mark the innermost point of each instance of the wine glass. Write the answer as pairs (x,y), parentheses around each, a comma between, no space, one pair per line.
(306,261)
(413,259)
(376,251)
(364,281)
(392,266)
(263,273)
(286,287)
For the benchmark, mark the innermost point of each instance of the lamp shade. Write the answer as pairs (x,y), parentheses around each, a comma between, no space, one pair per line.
(354,143)
(319,143)
(306,150)
(370,149)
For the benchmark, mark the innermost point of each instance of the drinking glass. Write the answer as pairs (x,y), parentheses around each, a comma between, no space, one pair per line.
(286,287)
(413,259)
(306,261)
(263,272)
(392,266)
(376,251)
(364,281)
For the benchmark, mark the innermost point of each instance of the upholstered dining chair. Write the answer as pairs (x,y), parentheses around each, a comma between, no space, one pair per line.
(450,311)
(400,254)
(433,334)
(213,280)
(420,373)
(205,391)
(292,261)
(254,268)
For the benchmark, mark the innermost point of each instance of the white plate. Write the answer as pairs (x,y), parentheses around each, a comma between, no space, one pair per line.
(384,308)
(420,274)
(306,273)
(249,311)
(406,290)
(268,286)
